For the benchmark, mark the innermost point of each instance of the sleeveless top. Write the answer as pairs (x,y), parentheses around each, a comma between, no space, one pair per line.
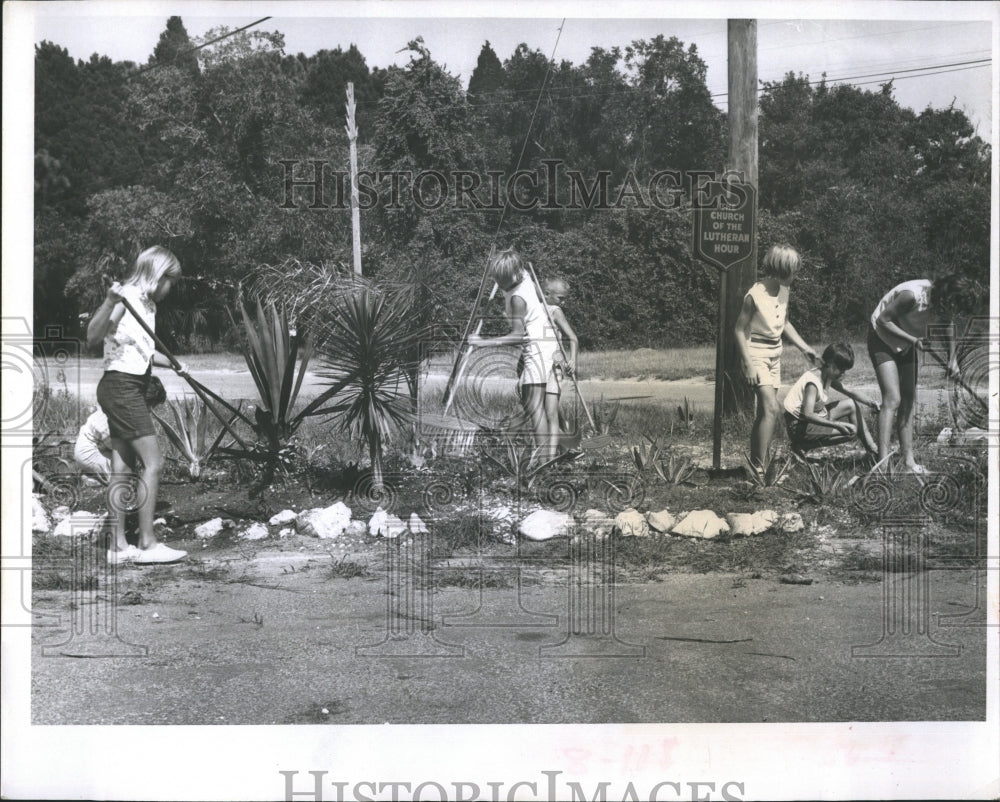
(127,347)
(914,322)
(536,322)
(770,314)
(793,401)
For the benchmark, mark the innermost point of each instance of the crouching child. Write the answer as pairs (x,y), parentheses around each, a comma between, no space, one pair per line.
(812,420)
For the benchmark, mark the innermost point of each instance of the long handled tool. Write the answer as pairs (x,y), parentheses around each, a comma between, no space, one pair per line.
(959,380)
(562,350)
(200,390)
(463,359)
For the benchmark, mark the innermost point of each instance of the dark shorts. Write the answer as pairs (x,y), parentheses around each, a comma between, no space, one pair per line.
(122,396)
(906,361)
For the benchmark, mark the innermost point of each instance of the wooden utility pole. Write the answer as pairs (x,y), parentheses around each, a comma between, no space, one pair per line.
(352,137)
(738,396)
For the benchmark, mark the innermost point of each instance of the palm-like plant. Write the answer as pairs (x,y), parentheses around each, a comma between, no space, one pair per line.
(272,354)
(368,348)
(189,432)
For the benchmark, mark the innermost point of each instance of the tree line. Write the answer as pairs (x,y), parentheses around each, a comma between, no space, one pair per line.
(194,150)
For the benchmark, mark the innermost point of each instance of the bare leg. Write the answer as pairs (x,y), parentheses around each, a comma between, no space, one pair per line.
(122,470)
(904,426)
(534,405)
(763,425)
(888,385)
(148,451)
(552,421)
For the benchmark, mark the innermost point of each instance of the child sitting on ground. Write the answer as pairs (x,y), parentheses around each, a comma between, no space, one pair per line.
(93,444)
(812,420)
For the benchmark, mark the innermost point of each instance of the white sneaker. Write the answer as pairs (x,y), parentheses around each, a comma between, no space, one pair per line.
(159,554)
(128,554)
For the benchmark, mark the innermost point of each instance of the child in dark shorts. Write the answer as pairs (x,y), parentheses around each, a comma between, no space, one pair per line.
(129,355)
(812,420)
(896,335)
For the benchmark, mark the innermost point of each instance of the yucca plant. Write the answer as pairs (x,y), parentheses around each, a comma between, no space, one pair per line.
(676,471)
(189,433)
(772,472)
(368,346)
(646,455)
(686,413)
(823,482)
(272,354)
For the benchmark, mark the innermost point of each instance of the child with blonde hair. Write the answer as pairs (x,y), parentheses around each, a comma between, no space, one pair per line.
(530,329)
(556,290)
(760,328)
(129,355)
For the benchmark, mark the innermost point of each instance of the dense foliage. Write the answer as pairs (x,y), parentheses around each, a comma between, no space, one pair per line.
(194,149)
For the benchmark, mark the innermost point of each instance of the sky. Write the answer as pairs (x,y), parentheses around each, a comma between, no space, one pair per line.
(869,43)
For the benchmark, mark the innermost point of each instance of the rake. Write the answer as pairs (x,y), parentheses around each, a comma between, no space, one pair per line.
(206,395)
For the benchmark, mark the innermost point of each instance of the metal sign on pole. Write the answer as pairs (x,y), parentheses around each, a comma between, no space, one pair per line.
(352,138)
(725,234)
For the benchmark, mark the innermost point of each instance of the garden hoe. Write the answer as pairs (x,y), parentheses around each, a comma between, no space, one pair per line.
(206,395)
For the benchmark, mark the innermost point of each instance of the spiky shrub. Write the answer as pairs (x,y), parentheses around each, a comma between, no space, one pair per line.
(676,470)
(189,433)
(823,482)
(367,348)
(646,455)
(773,471)
(272,354)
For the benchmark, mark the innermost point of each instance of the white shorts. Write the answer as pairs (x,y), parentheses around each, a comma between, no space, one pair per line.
(766,363)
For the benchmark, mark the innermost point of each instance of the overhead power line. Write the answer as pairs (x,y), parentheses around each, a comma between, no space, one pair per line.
(194,49)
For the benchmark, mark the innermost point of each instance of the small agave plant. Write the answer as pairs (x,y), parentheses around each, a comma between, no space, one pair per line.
(188,433)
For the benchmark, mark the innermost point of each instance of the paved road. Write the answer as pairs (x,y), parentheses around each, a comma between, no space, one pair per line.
(283,645)
(238,383)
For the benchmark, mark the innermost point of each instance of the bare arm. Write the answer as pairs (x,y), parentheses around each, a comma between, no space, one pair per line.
(790,334)
(899,306)
(562,324)
(808,413)
(836,385)
(517,333)
(742,335)
(106,317)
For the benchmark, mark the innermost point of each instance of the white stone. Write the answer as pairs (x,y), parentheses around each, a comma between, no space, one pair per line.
(356,529)
(283,518)
(598,522)
(60,512)
(416,525)
(79,523)
(764,520)
(701,523)
(740,523)
(39,517)
(385,524)
(545,524)
(631,523)
(256,531)
(661,521)
(209,529)
(286,532)
(791,522)
(325,523)
(503,514)
(945,435)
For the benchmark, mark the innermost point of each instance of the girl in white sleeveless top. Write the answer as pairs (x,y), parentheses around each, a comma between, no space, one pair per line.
(129,355)
(761,325)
